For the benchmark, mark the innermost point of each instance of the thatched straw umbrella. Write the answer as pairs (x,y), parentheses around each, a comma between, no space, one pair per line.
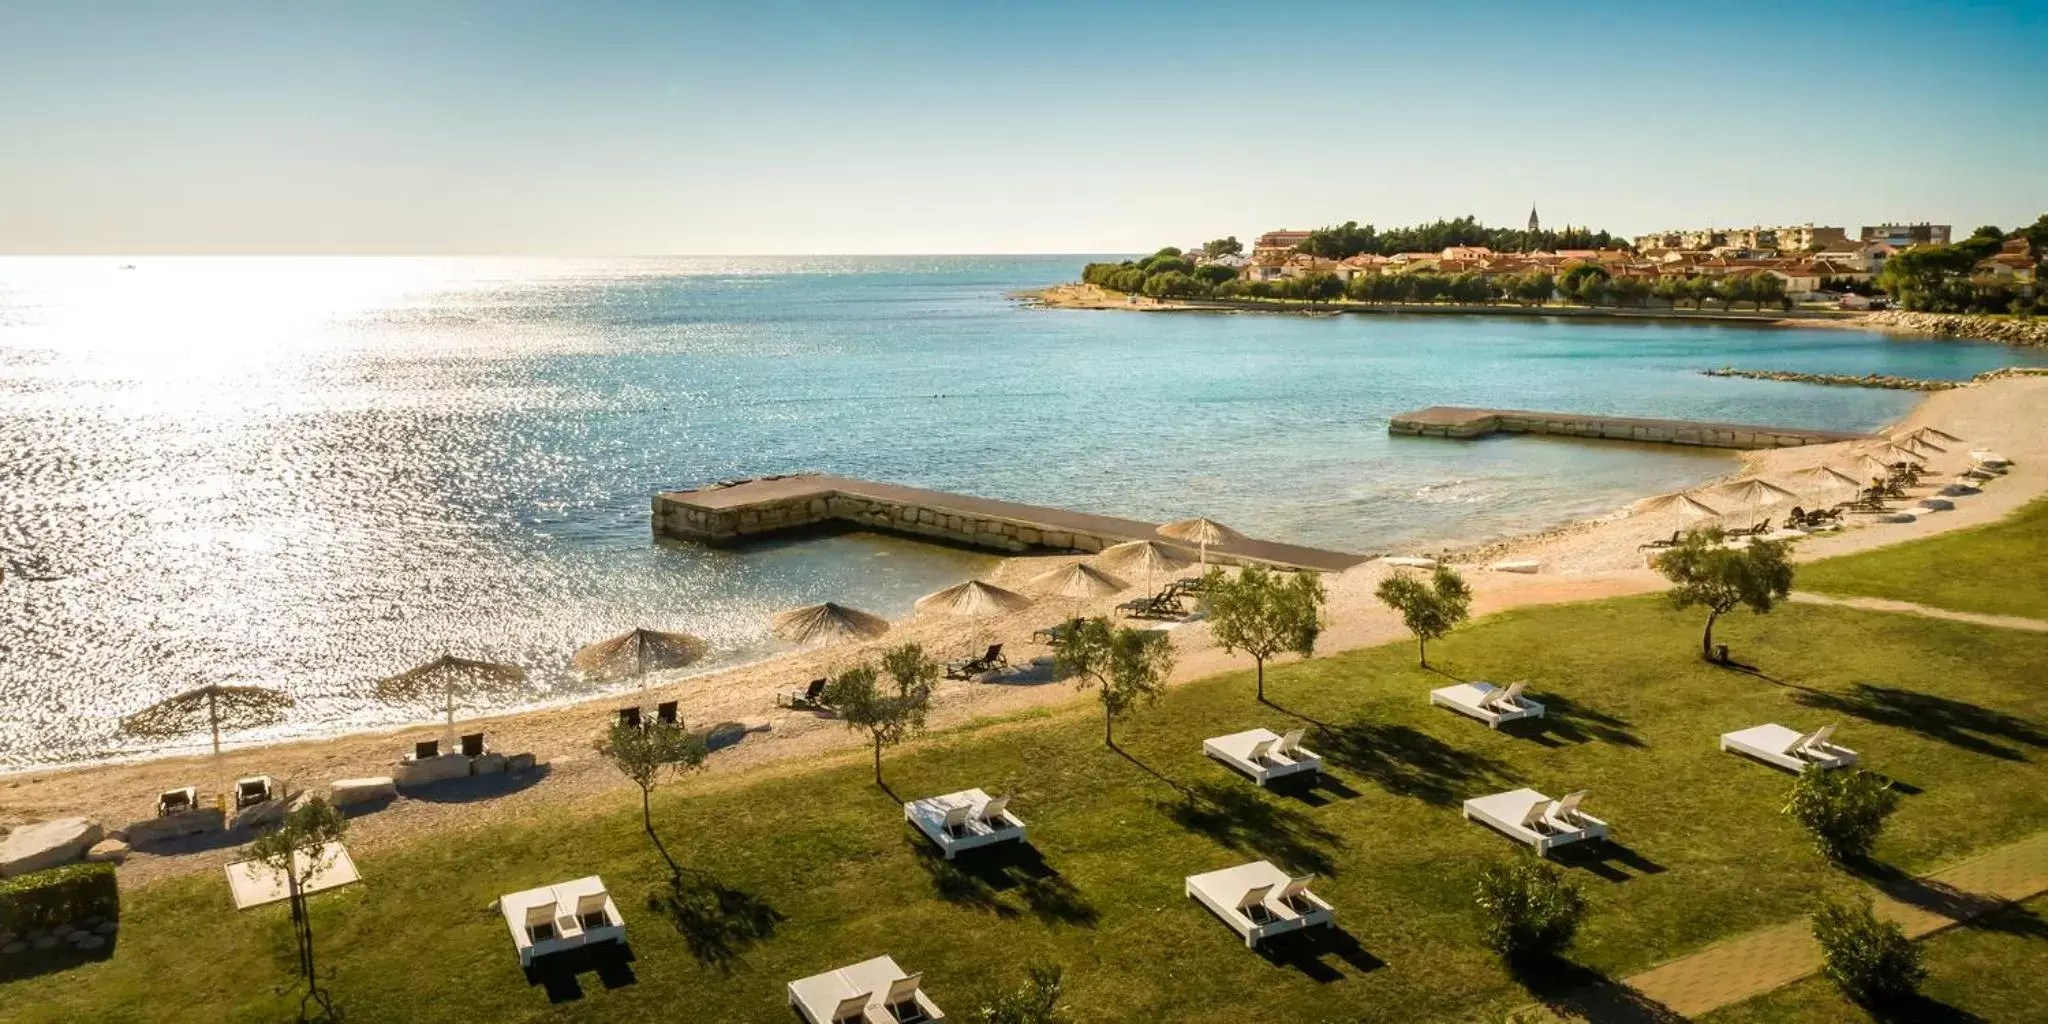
(826,623)
(449,681)
(637,653)
(213,707)
(1891,453)
(1919,445)
(1825,477)
(1934,433)
(1681,503)
(1077,582)
(1872,466)
(1148,556)
(1757,491)
(1200,532)
(972,599)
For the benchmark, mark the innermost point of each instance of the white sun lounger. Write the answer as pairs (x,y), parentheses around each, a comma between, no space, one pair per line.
(870,992)
(965,820)
(1258,900)
(1533,818)
(555,918)
(1773,744)
(1263,754)
(1488,703)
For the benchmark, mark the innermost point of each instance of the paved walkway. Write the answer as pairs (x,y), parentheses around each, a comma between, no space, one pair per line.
(1761,961)
(1880,604)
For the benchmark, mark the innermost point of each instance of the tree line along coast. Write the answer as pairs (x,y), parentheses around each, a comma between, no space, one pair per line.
(1461,261)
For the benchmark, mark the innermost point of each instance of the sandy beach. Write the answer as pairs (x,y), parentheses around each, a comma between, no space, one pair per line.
(1580,561)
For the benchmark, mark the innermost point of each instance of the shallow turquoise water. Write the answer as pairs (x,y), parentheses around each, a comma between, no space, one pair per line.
(311,473)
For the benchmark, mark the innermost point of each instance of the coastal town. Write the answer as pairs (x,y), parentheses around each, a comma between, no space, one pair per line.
(1910,266)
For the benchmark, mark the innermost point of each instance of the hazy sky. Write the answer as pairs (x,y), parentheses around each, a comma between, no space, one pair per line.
(613,127)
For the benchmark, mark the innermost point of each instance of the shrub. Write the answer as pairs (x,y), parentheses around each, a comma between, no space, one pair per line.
(1845,810)
(1871,961)
(1530,908)
(63,895)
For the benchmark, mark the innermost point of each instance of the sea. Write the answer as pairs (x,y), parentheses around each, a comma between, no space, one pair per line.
(309,473)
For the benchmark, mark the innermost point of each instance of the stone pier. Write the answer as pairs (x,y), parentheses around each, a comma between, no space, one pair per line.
(1459,422)
(740,511)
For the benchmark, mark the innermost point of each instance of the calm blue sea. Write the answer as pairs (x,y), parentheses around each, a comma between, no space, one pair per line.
(310,473)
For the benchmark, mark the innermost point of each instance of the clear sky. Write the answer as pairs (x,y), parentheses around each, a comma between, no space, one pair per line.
(667,126)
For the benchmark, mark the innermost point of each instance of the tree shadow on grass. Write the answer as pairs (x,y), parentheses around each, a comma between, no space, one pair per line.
(559,974)
(986,877)
(1573,991)
(1239,818)
(1972,910)
(1958,723)
(1565,720)
(716,921)
(1312,950)
(1606,858)
(1921,1009)
(1408,762)
(1148,769)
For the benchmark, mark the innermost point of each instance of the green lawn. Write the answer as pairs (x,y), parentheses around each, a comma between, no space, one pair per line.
(1996,569)
(815,868)
(1988,971)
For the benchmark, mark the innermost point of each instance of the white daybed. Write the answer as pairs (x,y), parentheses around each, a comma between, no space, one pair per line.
(870,992)
(1533,818)
(1263,754)
(1773,744)
(555,918)
(1258,900)
(1488,703)
(965,820)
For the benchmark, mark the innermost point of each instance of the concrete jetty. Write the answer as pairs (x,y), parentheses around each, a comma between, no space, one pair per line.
(1460,422)
(740,511)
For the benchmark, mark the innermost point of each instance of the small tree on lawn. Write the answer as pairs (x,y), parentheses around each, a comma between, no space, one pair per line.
(647,754)
(1127,667)
(1037,1001)
(1704,573)
(1871,961)
(1429,610)
(1263,613)
(1844,810)
(887,712)
(1528,909)
(296,849)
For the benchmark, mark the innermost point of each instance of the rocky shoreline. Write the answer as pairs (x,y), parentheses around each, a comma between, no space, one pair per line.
(2010,331)
(1843,380)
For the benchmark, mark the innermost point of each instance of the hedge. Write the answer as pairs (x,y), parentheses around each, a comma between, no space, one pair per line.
(65,895)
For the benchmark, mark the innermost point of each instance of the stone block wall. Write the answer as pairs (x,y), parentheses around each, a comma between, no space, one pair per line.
(730,526)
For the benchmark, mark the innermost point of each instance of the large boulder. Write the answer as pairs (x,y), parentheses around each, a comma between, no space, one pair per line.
(107,851)
(351,792)
(194,822)
(47,845)
(431,770)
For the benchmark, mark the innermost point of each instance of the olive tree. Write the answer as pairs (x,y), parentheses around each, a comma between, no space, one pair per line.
(1263,613)
(1429,610)
(648,754)
(1705,572)
(298,849)
(889,712)
(1127,667)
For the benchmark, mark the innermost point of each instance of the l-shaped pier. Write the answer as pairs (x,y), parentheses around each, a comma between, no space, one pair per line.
(739,511)
(1460,422)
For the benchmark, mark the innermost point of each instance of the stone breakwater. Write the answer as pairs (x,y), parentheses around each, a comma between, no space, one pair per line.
(1840,380)
(2011,331)
(1876,380)
(1453,421)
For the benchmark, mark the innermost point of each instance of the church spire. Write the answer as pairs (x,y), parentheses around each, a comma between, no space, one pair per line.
(1534,224)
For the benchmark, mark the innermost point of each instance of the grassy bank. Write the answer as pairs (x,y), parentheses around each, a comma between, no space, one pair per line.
(809,870)
(1995,569)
